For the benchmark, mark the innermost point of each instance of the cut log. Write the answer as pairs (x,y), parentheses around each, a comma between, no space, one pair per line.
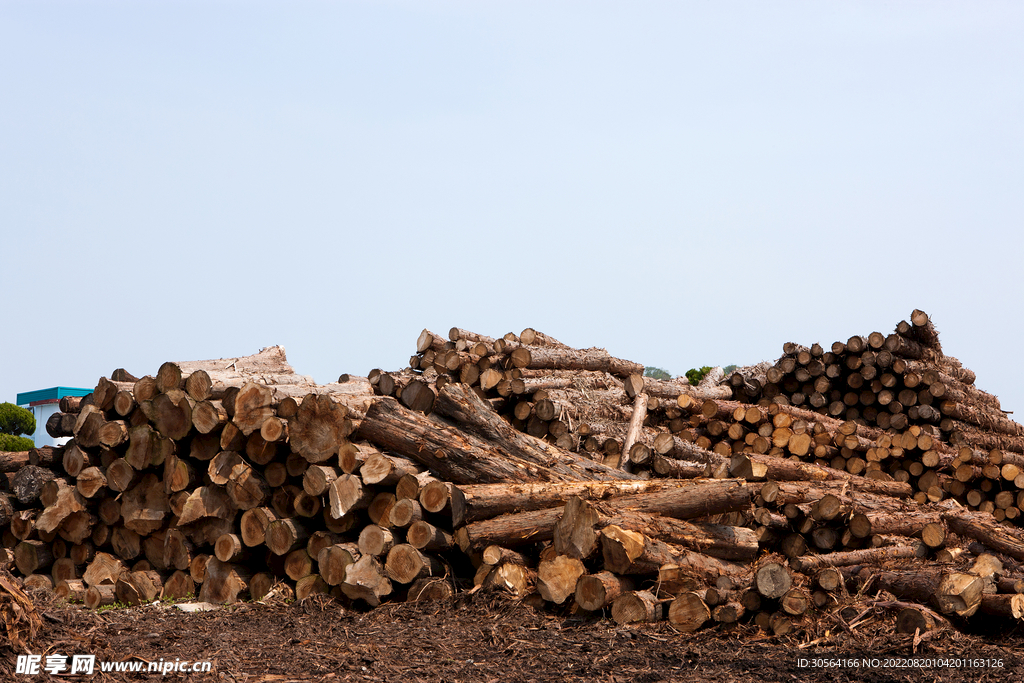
(425,536)
(333,561)
(773,580)
(984,528)
(870,556)
(138,587)
(253,525)
(688,499)
(631,552)
(318,428)
(365,580)
(206,502)
(405,564)
(576,534)
(688,612)
(285,535)
(461,404)
(145,506)
(450,453)
(484,501)
(104,569)
(557,578)
(100,596)
(636,607)
(223,582)
(636,423)
(597,591)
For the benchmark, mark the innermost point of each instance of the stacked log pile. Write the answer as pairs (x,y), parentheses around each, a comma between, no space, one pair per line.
(554,473)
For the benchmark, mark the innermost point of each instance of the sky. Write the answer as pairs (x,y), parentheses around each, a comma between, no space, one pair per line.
(682,183)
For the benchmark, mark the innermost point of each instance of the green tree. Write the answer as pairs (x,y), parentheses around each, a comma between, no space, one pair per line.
(657,373)
(15,421)
(694,376)
(729,369)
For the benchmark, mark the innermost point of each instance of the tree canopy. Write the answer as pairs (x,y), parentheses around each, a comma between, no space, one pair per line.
(15,420)
(9,442)
(657,373)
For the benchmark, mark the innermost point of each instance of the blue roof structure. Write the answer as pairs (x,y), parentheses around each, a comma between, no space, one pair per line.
(50,394)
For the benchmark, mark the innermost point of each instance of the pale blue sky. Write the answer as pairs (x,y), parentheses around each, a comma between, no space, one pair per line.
(683,183)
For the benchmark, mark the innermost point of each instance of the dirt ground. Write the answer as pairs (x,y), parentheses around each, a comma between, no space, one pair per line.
(491,638)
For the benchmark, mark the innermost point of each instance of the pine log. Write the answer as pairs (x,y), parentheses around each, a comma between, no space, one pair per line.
(688,499)
(597,591)
(984,528)
(450,453)
(461,404)
(688,612)
(950,592)
(27,483)
(387,470)
(104,569)
(577,533)
(631,552)
(557,578)
(807,564)
(1005,606)
(484,501)
(636,607)
(223,582)
(365,580)
(333,562)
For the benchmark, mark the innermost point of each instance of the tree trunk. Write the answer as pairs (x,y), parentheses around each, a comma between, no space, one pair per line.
(690,499)
(460,403)
(450,453)
(631,552)
(484,501)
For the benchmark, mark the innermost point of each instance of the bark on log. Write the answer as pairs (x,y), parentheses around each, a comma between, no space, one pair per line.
(483,501)
(631,552)
(577,533)
(690,499)
(984,528)
(450,453)
(461,404)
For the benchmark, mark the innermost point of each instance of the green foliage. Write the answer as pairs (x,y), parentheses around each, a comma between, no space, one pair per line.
(729,369)
(657,373)
(16,420)
(694,376)
(9,442)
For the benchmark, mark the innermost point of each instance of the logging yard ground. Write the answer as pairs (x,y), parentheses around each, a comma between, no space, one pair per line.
(490,637)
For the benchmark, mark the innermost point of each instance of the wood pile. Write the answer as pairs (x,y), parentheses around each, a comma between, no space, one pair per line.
(560,475)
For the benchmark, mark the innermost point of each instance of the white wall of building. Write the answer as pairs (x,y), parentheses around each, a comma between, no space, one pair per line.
(42,413)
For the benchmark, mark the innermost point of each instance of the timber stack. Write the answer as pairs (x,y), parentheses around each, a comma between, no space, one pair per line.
(561,475)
